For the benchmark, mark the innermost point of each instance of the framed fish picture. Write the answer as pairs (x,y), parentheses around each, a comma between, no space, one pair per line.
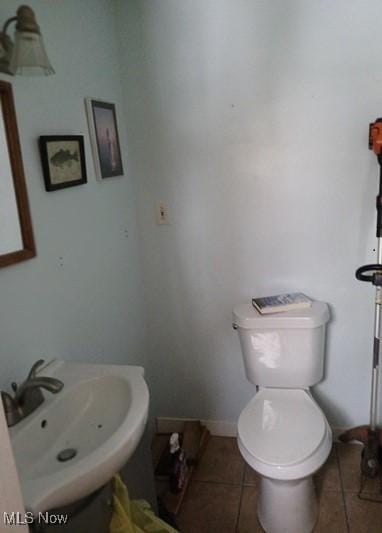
(103,129)
(63,161)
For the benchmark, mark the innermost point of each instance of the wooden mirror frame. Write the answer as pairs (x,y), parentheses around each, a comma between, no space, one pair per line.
(28,249)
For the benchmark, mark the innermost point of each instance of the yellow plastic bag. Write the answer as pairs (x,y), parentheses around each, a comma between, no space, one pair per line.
(134,516)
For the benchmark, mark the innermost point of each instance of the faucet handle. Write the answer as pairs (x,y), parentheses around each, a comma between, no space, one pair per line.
(11,411)
(32,372)
(8,402)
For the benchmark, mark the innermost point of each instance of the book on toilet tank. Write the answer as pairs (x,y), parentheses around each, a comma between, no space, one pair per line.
(281,302)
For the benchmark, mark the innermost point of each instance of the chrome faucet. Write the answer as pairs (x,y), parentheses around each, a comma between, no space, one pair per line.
(28,395)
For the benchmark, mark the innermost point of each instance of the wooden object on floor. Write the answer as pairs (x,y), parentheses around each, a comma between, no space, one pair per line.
(194,440)
(192,434)
(158,446)
(360,433)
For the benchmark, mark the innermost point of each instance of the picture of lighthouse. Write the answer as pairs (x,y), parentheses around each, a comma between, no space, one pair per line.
(108,149)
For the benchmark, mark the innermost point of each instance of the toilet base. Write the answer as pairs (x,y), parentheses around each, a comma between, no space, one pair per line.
(287,506)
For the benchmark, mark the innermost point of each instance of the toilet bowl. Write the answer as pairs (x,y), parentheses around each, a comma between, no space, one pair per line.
(285,437)
(282,432)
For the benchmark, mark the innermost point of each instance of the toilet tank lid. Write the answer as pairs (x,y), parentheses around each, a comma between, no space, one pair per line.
(247,317)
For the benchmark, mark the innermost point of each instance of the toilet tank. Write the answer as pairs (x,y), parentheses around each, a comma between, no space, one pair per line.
(283,349)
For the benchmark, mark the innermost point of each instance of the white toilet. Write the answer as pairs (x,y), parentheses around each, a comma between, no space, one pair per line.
(282,432)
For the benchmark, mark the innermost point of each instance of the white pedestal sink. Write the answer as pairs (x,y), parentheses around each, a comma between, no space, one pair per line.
(100,415)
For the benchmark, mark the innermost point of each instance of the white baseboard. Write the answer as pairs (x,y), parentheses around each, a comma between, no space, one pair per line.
(219,428)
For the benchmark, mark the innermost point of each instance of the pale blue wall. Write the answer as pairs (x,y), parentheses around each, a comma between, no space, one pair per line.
(87,305)
(250,119)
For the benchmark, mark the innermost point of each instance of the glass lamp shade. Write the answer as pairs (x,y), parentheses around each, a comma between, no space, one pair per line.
(29,57)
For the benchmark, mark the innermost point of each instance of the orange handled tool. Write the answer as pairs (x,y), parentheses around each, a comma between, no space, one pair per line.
(375,136)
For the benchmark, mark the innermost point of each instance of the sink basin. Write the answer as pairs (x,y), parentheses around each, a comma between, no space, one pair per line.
(79,438)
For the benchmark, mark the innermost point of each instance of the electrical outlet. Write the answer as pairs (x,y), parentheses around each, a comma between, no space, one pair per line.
(162,213)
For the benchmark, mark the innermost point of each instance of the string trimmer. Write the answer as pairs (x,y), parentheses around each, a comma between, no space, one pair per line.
(370,435)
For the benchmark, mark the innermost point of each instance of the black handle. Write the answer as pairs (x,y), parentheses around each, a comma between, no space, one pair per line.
(370,273)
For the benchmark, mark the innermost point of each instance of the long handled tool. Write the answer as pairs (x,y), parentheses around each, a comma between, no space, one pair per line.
(371,436)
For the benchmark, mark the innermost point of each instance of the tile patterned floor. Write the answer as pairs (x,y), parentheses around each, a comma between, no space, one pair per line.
(223,493)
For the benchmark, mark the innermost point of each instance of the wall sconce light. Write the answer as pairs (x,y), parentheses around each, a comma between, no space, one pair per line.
(27,55)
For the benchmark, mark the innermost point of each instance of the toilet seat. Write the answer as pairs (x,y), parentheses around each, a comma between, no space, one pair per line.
(282,433)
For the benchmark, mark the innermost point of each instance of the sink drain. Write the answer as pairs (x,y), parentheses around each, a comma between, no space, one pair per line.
(67,454)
